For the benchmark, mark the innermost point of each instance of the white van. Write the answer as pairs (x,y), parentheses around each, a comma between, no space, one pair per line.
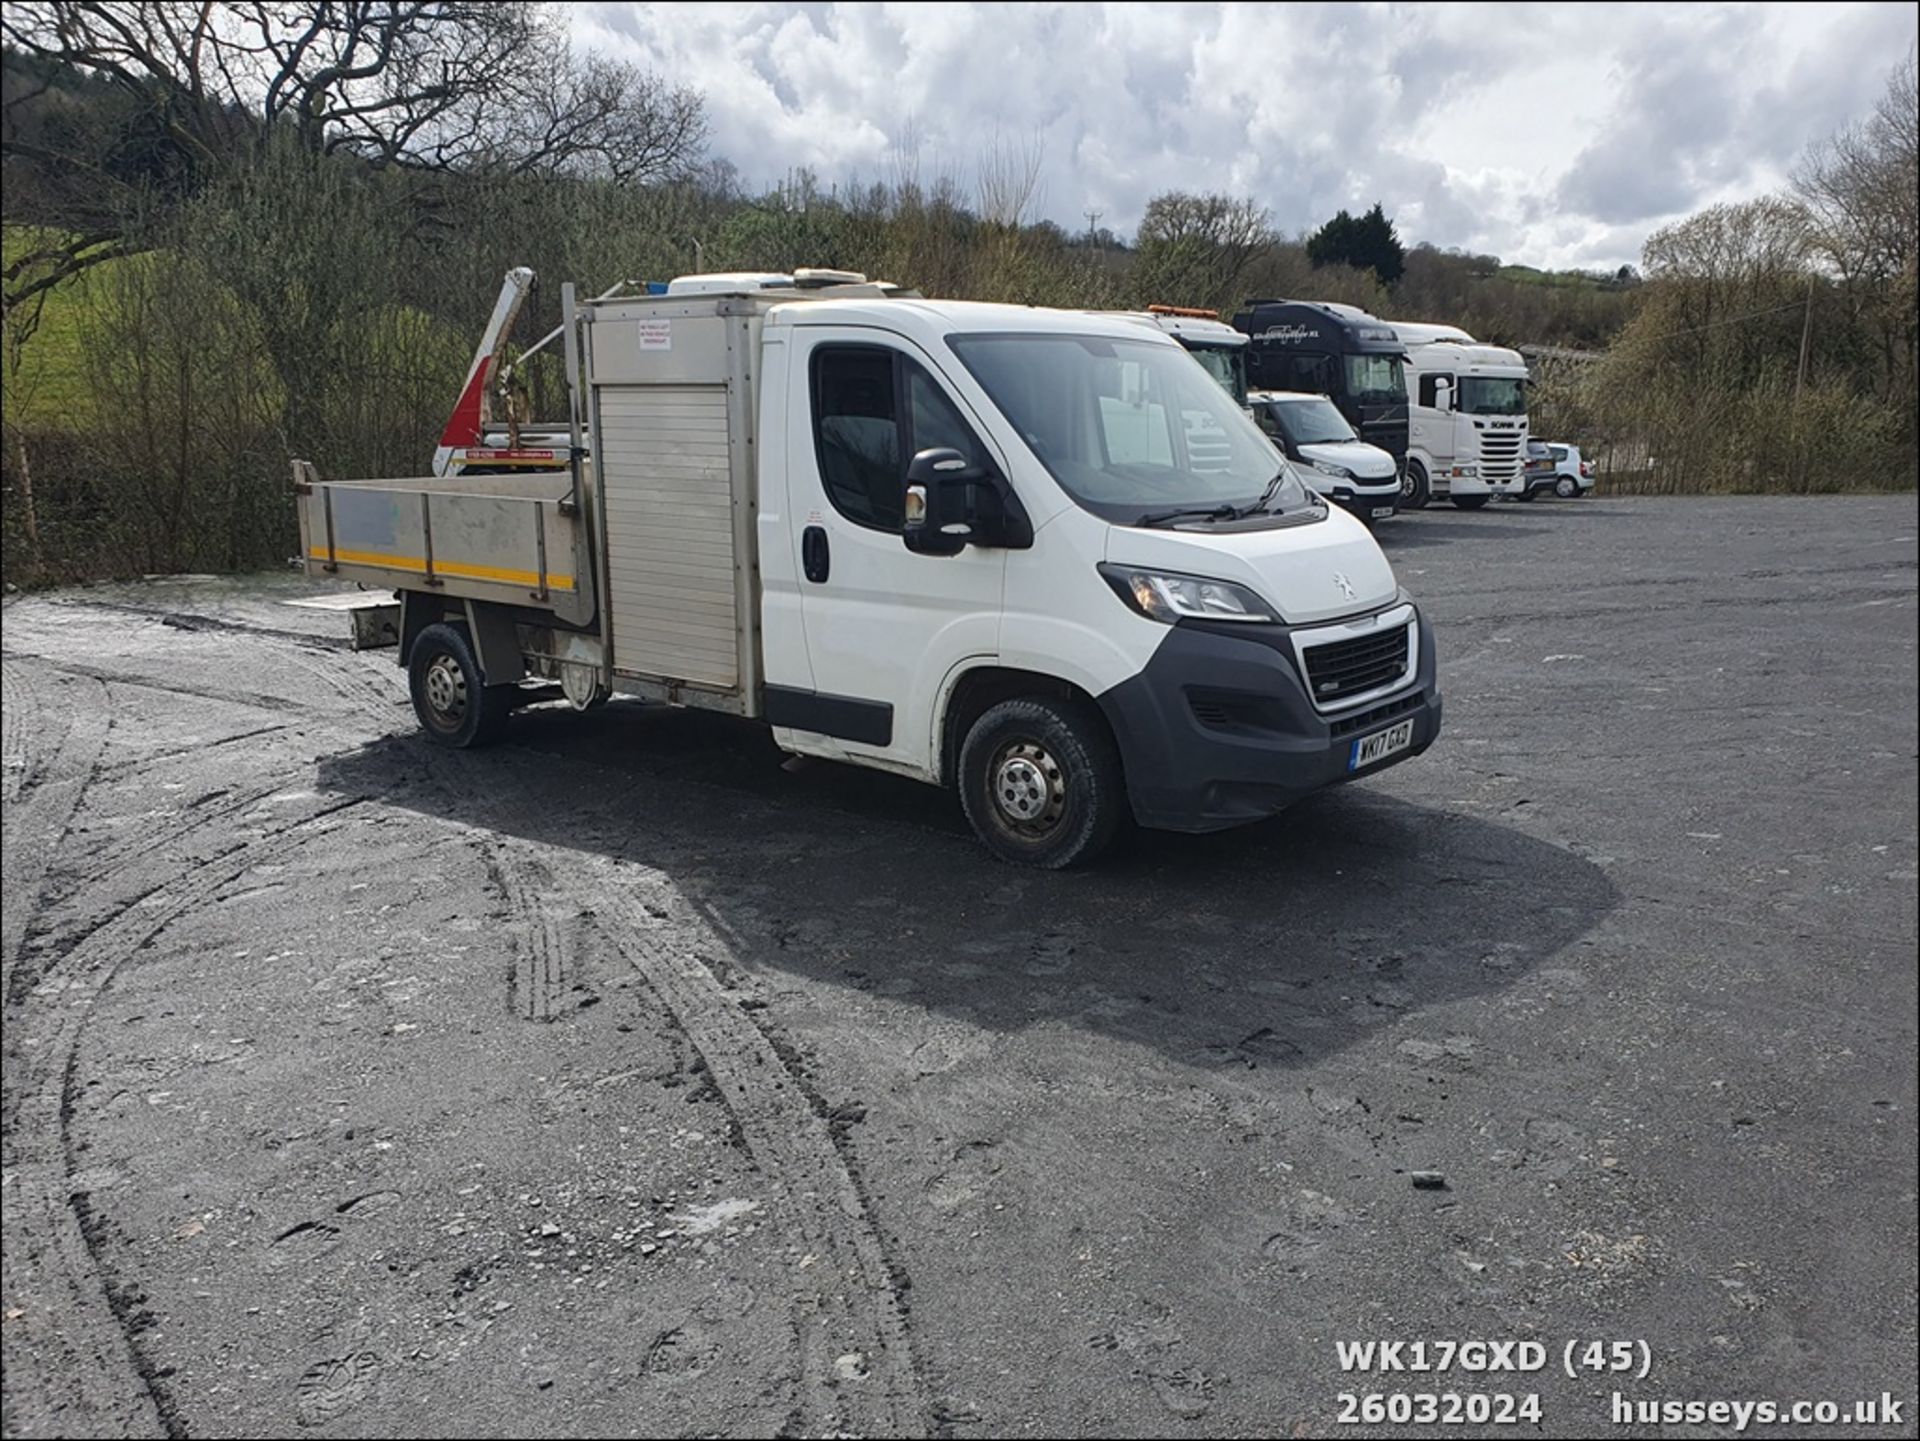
(965,543)
(1337,463)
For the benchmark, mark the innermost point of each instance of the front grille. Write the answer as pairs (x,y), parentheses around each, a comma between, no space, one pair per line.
(1343,668)
(1378,715)
(1500,457)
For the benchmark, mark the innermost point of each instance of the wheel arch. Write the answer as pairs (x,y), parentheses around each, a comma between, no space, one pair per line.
(977,689)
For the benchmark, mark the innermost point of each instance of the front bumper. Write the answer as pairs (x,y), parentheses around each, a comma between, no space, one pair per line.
(1218,731)
(1363,501)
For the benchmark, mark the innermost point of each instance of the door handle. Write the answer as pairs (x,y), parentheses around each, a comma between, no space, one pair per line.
(815,559)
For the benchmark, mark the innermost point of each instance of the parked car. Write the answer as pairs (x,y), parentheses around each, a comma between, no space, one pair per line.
(1537,474)
(1558,468)
(1573,476)
(1335,462)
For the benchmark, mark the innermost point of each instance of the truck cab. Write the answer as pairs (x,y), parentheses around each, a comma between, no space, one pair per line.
(971,544)
(1467,439)
(1339,351)
(1218,347)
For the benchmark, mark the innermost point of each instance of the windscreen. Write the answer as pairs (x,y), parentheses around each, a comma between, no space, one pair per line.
(1311,422)
(1227,366)
(1376,380)
(1487,395)
(1130,429)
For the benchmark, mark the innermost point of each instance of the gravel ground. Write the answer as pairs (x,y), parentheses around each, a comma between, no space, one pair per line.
(619,1081)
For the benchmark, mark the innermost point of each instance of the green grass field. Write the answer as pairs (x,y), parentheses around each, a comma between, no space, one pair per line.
(49,391)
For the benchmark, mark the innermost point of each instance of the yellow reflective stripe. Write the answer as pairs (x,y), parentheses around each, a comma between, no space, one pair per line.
(443,567)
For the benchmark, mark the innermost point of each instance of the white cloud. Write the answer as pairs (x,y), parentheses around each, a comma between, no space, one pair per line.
(1546,134)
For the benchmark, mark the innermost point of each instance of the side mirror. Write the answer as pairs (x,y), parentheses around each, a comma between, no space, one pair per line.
(1442,393)
(937,512)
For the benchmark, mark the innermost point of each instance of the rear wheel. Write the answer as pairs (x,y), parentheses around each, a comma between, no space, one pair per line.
(1526,493)
(1414,492)
(455,705)
(1041,784)
(1470,502)
(1566,487)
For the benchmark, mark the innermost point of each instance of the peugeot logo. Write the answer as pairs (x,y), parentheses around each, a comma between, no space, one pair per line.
(1346,586)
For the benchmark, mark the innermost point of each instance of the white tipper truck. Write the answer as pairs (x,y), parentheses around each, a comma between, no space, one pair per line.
(1466,417)
(956,541)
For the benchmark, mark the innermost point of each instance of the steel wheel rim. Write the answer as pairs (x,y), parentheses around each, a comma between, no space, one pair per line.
(446,688)
(1028,789)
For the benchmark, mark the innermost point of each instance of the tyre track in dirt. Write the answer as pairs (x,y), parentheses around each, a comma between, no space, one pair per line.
(856,1368)
(73,1354)
(857,1374)
(19,698)
(46,780)
(365,697)
(75,1351)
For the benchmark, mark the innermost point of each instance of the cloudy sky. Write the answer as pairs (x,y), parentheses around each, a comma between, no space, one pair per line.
(1554,135)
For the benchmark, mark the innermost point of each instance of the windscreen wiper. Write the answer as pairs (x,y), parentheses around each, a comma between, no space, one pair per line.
(1196,512)
(1265,496)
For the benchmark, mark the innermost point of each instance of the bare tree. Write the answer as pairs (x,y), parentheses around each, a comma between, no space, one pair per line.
(1008,174)
(1861,191)
(1194,249)
(424,84)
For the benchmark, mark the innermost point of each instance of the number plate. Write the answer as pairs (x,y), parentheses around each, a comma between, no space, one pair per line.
(1380,745)
(1381,512)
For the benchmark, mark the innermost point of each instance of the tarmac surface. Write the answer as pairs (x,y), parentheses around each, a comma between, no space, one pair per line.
(621,1081)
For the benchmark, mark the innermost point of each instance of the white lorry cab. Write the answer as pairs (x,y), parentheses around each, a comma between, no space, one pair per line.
(961,542)
(1333,460)
(1218,347)
(1467,418)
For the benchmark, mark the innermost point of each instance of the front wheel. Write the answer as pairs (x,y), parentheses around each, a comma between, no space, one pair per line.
(1470,502)
(1566,487)
(454,704)
(1414,490)
(1041,784)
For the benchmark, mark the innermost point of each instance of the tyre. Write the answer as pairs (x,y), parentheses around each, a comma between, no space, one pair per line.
(1471,502)
(1414,490)
(1526,493)
(1566,487)
(1041,784)
(454,704)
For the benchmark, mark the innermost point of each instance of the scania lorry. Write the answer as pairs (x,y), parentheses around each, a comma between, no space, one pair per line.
(1467,437)
(960,542)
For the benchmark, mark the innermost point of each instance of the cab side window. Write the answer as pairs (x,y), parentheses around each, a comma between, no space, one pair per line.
(1430,388)
(873,411)
(856,433)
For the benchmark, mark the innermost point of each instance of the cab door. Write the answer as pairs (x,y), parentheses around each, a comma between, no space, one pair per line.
(884,626)
(1430,426)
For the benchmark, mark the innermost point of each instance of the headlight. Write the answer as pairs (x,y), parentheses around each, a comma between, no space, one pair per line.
(1338,472)
(1162,596)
